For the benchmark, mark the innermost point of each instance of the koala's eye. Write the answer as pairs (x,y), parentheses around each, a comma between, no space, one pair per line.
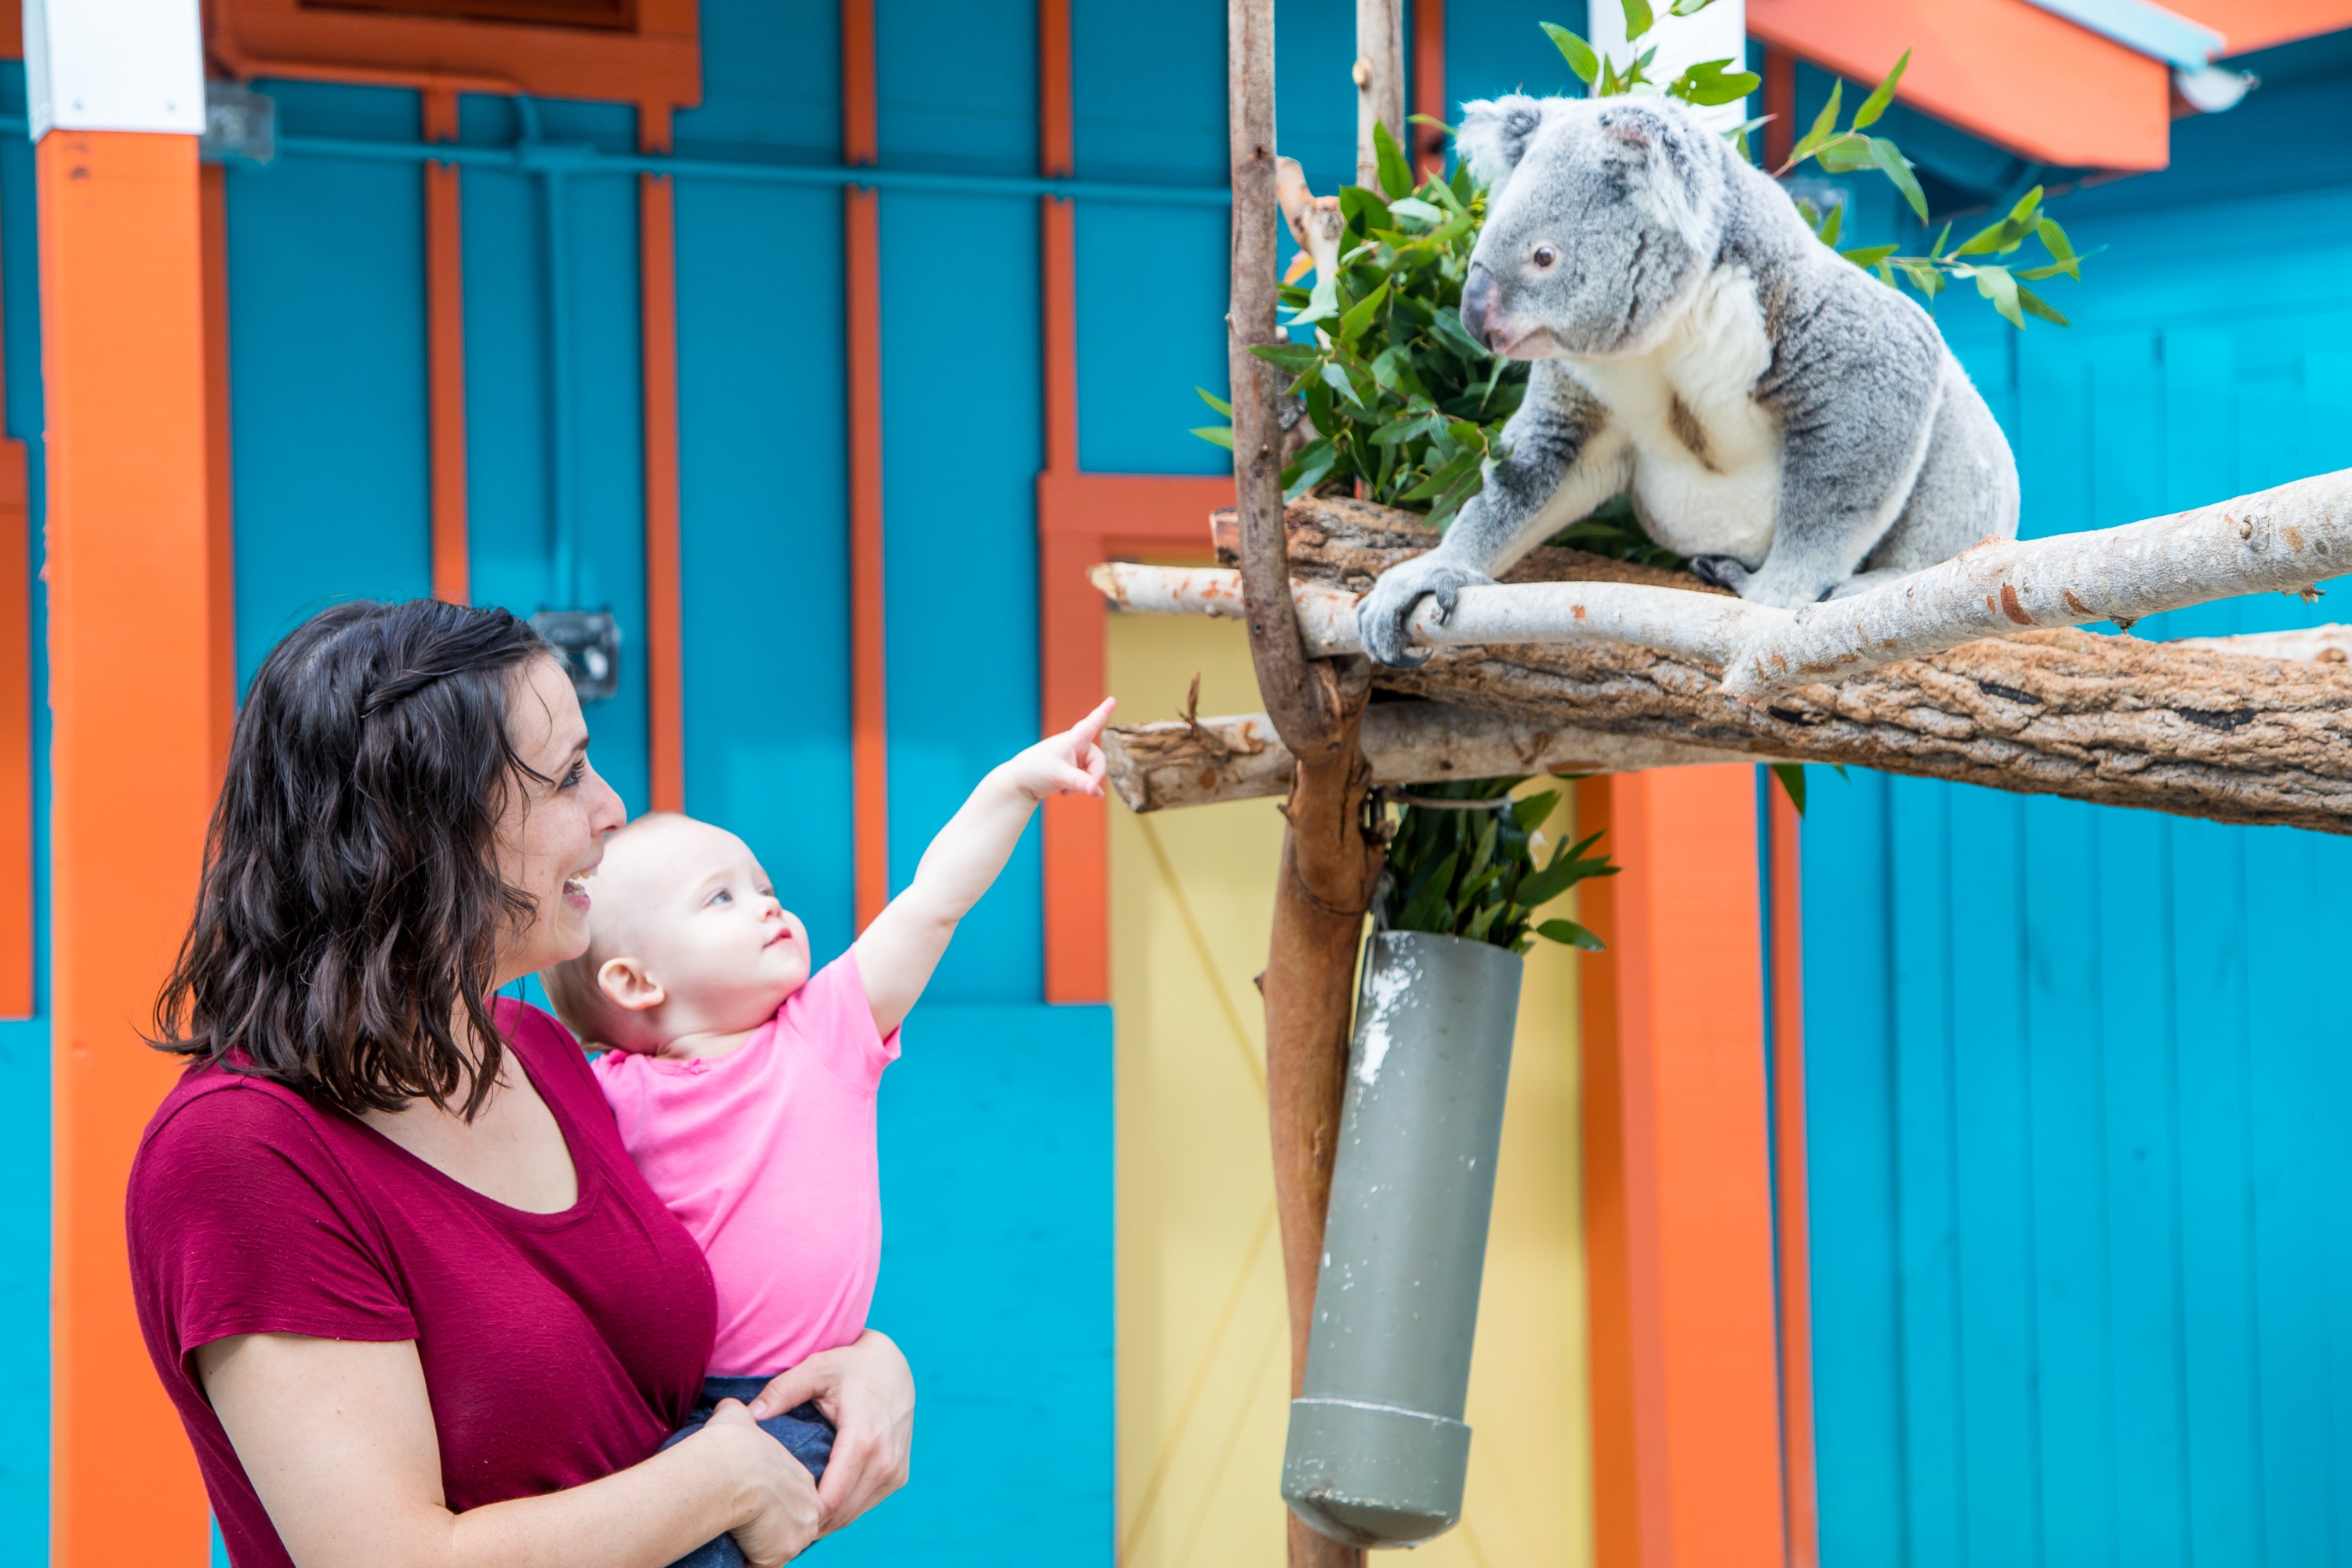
(1545,257)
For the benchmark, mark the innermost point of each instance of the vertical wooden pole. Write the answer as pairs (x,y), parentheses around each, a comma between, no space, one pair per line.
(657,296)
(1678,1209)
(862,241)
(1789,1188)
(1329,866)
(1380,81)
(130,649)
(1780,104)
(444,334)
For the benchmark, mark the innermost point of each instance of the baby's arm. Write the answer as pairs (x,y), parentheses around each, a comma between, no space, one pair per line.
(897,952)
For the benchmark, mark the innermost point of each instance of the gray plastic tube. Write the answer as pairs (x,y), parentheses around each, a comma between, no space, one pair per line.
(1377,1449)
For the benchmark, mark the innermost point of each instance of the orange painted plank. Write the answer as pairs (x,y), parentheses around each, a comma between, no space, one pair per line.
(122,322)
(220,551)
(869,734)
(1058,220)
(869,741)
(1429,84)
(1608,1280)
(1083,519)
(1789,1185)
(1685,1353)
(2003,69)
(444,353)
(665,653)
(2259,23)
(16,980)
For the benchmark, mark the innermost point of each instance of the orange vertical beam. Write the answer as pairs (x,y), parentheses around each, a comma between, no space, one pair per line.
(1789,1185)
(1070,629)
(1429,83)
(869,753)
(445,328)
(130,644)
(220,564)
(1678,1207)
(1616,1514)
(657,294)
(16,980)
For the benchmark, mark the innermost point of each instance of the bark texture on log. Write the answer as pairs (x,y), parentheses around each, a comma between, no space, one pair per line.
(1379,82)
(1159,767)
(2190,730)
(1329,866)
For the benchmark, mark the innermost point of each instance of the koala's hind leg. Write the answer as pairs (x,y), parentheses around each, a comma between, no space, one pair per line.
(1967,490)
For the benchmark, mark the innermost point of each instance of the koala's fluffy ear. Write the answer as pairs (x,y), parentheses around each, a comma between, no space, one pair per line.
(1647,132)
(1495,134)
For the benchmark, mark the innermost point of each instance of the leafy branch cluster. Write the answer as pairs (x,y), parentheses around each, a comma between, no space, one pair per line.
(1474,873)
(1402,400)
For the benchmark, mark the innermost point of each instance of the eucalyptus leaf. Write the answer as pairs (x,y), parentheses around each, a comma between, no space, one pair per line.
(2035,305)
(1881,96)
(1213,400)
(1638,19)
(1217,435)
(1575,51)
(1570,934)
(1395,174)
(1897,168)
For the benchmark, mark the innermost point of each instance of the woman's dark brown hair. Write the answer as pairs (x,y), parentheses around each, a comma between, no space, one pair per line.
(347,926)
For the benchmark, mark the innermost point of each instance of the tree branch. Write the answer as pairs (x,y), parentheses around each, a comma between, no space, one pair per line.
(1158,767)
(2196,730)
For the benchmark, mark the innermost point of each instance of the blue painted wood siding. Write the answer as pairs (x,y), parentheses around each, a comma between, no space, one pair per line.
(2080,1102)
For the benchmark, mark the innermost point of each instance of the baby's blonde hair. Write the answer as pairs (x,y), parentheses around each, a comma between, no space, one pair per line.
(571,987)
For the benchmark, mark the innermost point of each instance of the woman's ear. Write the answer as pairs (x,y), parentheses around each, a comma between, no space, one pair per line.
(625,985)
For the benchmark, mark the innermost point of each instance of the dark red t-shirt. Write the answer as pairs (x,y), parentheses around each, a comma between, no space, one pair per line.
(557,1348)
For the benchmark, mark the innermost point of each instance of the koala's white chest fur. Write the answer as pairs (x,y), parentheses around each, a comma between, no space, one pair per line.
(1703,454)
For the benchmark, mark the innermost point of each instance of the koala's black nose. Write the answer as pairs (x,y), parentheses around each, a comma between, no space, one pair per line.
(1477,300)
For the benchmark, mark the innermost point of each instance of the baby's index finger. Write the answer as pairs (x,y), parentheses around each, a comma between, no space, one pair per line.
(1087,728)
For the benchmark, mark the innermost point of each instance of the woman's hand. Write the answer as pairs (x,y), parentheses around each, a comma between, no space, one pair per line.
(777,1487)
(868,1392)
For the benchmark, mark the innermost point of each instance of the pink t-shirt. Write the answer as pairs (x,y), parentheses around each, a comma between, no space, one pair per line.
(767,1155)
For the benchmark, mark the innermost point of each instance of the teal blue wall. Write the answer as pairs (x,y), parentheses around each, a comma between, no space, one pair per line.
(2076,1076)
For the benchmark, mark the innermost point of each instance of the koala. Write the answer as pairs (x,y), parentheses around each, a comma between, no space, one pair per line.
(1793,426)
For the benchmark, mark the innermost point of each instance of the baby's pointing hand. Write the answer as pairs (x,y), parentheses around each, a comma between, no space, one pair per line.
(1068,763)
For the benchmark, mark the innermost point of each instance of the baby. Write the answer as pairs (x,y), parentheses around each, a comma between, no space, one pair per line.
(744,1085)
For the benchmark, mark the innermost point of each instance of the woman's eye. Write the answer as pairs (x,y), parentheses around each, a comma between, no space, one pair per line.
(1546,255)
(571,780)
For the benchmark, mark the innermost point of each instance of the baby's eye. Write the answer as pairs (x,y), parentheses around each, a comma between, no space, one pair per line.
(722,897)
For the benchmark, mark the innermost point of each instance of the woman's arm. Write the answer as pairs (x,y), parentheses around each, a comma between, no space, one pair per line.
(867,1390)
(337,1437)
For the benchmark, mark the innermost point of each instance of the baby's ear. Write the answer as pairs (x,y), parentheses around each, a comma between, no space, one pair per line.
(1495,134)
(626,983)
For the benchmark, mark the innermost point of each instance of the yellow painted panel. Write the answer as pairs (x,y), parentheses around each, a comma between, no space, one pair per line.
(1203,1379)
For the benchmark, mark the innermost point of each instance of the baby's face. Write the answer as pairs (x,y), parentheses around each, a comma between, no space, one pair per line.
(691,904)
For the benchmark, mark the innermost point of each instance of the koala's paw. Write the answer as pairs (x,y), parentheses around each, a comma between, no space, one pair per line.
(1381,618)
(1721,571)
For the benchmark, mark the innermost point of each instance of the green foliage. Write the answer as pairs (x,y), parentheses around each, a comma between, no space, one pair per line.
(1474,874)
(1402,399)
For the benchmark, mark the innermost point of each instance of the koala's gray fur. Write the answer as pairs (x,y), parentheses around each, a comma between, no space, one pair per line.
(1794,426)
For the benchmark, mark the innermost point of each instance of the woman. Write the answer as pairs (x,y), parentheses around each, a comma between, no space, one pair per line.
(412,1302)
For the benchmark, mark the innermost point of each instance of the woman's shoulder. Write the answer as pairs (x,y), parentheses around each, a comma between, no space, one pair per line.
(221,1126)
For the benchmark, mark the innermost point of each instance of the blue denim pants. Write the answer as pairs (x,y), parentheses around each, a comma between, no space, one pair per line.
(802,1429)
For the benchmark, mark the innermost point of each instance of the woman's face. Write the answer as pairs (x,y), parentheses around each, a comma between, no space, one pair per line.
(551,835)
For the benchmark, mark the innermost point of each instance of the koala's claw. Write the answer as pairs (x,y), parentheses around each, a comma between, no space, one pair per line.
(1720,572)
(1381,618)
